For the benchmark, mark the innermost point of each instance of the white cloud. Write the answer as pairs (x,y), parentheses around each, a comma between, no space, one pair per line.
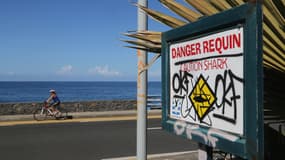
(65,70)
(103,71)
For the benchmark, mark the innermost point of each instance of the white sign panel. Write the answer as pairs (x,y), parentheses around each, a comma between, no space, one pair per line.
(206,80)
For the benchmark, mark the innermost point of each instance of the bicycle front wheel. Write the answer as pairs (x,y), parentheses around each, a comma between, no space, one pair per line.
(40,114)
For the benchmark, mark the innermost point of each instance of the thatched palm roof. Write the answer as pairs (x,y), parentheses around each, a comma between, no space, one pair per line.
(273,26)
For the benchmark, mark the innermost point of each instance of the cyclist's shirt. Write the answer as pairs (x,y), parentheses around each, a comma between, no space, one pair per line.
(54,99)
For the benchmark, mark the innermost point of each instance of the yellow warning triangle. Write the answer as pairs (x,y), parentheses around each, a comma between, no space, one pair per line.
(202,111)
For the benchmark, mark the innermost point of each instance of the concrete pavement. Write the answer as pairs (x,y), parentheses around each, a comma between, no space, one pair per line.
(191,155)
(103,116)
(187,155)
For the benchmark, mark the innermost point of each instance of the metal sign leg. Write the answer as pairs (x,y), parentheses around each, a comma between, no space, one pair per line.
(205,152)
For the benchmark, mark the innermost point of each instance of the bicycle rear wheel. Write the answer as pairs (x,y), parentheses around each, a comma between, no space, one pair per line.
(40,114)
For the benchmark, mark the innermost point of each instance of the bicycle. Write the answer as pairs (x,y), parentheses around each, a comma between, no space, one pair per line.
(45,111)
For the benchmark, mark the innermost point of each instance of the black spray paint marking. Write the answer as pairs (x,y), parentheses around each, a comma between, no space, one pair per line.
(227,83)
(182,81)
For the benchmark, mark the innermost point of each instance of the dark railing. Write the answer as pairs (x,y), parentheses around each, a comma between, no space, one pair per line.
(153,102)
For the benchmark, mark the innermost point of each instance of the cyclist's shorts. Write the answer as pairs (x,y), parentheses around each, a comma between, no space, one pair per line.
(55,105)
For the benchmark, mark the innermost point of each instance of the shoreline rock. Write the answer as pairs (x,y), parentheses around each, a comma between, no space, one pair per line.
(84,106)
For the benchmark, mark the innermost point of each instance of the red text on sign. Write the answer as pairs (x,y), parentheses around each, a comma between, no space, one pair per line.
(218,44)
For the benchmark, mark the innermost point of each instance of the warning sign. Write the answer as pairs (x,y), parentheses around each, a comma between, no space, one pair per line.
(206,80)
(212,86)
(202,98)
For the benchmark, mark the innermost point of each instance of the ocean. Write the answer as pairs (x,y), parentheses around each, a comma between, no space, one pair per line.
(72,91)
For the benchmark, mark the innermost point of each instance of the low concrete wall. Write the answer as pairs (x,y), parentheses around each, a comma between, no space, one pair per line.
(89,106)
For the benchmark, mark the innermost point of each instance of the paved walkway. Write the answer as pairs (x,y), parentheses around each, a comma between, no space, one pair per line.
(182,156)
(103,116)
(189,155)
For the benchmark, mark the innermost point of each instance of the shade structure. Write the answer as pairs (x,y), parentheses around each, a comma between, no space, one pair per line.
(273,49)
(273,25)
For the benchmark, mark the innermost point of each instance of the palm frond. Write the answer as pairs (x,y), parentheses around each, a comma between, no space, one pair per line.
(235,3)
(153,38)
(143,44)
(273,25)
(275,12)
(220,4)
(203,6)
(152,50)
(181,10)
(163,18)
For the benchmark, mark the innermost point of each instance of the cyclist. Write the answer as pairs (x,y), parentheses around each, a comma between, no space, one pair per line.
(53,101)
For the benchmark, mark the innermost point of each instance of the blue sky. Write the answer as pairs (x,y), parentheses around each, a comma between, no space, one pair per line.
(70,40)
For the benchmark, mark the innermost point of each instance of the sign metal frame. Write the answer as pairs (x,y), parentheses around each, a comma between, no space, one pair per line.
(249,145)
